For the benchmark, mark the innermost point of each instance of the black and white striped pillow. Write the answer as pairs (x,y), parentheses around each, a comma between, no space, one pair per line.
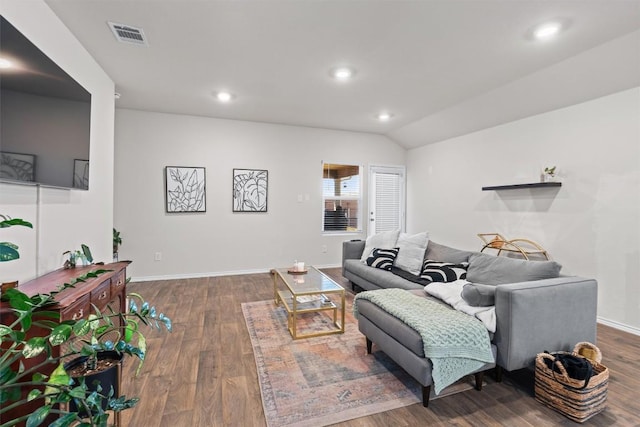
(436,271)
(382,258)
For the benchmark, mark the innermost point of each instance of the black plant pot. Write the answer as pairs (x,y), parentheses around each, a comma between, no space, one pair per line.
(107,378)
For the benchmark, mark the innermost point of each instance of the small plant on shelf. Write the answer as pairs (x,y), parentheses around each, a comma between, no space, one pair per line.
(549,174)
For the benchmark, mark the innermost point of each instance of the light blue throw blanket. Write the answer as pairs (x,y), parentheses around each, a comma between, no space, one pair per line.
(457,344)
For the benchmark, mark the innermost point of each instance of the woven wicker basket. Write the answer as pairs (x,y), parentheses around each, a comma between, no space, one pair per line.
(559,392)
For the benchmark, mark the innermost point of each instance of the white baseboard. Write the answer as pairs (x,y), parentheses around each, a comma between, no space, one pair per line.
(212,274)
(620,326)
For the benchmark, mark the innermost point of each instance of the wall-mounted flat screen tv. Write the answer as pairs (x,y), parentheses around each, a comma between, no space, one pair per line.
(45,117)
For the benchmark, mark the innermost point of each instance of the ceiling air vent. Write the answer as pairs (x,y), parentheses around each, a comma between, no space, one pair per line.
(128,34)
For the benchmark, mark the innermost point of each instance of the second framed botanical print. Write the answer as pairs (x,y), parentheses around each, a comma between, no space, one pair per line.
(250,190)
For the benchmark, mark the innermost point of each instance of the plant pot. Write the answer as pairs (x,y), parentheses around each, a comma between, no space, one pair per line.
(106,377)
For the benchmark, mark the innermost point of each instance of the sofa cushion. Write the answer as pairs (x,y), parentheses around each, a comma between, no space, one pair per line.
(412,249)
(495,270)
(393,326)
(386,240)
(382,258)
(436,271)
(363,275)
(479,295)
(408,276)
(438,252)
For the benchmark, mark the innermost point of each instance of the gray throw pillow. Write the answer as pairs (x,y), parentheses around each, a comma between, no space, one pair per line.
(411,252)
(496,270)
(438,252)
(479,295)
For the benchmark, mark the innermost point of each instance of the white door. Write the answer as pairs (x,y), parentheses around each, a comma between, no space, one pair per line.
(386,199)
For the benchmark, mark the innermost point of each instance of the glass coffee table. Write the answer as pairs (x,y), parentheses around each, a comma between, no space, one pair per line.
(308,293)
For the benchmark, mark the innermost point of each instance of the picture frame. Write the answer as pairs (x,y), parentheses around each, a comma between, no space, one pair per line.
(250,190)
(17,166)
(185,189)
(81,174)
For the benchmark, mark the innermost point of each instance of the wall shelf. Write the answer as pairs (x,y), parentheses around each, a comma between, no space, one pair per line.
(518,186)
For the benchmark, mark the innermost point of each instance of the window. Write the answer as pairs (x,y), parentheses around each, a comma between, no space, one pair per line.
(341,197)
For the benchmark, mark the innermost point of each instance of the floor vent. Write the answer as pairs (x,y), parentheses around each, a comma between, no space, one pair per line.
(128,34)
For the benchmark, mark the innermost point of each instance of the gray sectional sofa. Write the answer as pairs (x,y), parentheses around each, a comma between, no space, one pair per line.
(536,309)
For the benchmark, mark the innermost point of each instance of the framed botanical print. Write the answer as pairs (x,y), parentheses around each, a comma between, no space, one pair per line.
(250,190)
(185,189)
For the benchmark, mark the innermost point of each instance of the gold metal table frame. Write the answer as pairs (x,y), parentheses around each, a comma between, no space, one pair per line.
(308,293)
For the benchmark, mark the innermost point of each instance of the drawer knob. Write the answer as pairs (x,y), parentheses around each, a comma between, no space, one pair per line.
(78,315)
(103,295)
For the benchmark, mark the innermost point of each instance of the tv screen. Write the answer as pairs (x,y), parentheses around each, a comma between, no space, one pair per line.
(44,117)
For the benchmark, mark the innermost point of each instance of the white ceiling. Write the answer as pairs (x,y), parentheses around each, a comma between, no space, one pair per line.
(444,68)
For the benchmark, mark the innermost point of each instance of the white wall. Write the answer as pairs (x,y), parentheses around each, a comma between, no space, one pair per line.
(591,225)
(63,219)
(220,241)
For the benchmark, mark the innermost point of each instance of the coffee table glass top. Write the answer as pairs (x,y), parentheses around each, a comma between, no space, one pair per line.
(310,283)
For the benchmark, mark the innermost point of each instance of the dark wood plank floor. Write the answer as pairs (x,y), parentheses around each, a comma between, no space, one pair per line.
(204,374)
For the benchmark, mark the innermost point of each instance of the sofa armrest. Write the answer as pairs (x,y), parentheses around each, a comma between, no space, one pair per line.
(352,249)
(551,314)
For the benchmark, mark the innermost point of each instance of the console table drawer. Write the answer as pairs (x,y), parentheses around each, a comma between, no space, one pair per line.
(101,295)
(117,282)
(78,310)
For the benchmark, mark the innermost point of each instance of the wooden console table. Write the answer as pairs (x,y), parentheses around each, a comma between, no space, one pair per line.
(72,304)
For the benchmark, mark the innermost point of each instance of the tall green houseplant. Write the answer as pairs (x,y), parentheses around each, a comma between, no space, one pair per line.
(82,337)
(109,330)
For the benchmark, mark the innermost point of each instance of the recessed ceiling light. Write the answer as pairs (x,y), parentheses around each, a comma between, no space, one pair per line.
(547,30)
(223,96)
(384,117)
(342,73)
(5,63)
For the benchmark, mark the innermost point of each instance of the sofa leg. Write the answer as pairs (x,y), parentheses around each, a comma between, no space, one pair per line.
(369,344)
(479,377)
(426,392)
(498,372)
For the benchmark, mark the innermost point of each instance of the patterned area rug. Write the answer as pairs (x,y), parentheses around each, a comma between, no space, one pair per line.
(324,380)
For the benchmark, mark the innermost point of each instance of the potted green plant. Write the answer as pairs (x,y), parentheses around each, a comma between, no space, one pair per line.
(78,257)
(8,250)
(117,241)
(84,403)
(549,174)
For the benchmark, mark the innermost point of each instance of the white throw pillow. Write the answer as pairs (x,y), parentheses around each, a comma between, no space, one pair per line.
(384,240)
(411,254)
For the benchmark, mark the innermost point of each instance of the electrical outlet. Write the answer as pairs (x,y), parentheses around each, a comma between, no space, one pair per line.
(158,256)
(324,249)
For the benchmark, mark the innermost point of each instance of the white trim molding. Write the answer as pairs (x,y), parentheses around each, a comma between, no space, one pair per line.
(620,326)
